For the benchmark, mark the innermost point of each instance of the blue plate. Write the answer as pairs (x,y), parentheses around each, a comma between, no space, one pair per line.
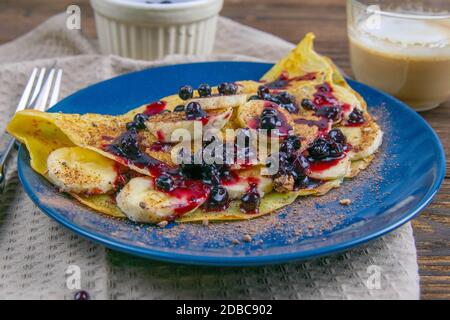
(407,174)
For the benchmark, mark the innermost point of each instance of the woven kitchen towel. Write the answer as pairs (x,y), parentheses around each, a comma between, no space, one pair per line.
(35,252)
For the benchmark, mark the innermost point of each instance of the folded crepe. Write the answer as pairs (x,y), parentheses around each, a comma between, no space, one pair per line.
(93,139)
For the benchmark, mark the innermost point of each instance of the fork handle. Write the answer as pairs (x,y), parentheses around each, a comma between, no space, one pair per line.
(7,151)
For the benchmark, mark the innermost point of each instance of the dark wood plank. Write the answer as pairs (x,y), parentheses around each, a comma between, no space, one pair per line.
(291,19)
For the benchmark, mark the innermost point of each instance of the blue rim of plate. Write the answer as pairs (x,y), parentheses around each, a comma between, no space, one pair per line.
(215,260)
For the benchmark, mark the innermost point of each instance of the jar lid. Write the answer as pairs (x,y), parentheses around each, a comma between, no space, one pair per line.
(148,13)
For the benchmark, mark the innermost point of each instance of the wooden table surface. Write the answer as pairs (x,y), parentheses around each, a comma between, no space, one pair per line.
(291,19)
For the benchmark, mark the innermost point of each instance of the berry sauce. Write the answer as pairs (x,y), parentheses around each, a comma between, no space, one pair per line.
(321,124)
(324,96)
(326,104)
(123,175)
(354,124)
(127,151)
(320,166)
(283,81)
(160,135)
(346,107)
(159,146)
(204,119)
(194,191)
(155,108)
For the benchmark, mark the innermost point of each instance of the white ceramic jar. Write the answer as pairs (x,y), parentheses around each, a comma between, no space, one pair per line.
(150,30)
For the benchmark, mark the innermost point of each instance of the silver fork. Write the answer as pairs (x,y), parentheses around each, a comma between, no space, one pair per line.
(42,85)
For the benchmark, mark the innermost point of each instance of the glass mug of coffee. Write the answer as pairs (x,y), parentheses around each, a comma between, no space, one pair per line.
(403,48)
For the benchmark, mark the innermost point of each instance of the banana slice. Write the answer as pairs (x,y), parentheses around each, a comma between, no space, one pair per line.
(215,101)
(141,202)
(365,140)
(248,115)
(221,102)
(239,185)
(329,170)
(81,171)
(164,125)
(347,99)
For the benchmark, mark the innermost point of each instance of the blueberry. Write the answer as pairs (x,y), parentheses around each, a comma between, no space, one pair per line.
(226,173)
(337,136)
(204,90)
(179,108)
(320,149)
(300,163)
(81,295)
(323,148)
(285,97)
(280,158)
(283,157)
(301,182)
(128,145)
(329,112)
(227,88)
(308,104)
(269,112)
(191,170)
(269,122)
(356,117)
(139,120)
(218,198)
(186,92)
(271,98)
(131,126)
(254,97)
(335,149)
(194,111)
(210,174)
(250,202)
(263,91)
(165,182)
(286,168)
(290,107)
(290,144)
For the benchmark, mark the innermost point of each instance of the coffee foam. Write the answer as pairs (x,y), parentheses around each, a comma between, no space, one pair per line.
(426,38)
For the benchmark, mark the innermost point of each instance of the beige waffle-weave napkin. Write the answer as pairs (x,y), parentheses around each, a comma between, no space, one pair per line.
(35,251)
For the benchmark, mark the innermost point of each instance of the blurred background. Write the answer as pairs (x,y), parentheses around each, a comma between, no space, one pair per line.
(288,19)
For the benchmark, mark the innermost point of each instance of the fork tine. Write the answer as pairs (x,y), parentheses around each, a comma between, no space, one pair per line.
(43,95)
(56,87)
(37,88)
(26,93)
